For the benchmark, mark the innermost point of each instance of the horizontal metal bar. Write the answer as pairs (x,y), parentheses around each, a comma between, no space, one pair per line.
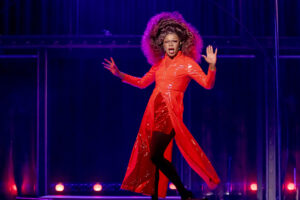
(253,56)
(289,56)
(236,56)
(70,46)
(133,41)
(18,56)
(244,56)
(69,36)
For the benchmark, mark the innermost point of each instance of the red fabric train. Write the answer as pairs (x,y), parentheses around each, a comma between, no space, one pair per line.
(172,77)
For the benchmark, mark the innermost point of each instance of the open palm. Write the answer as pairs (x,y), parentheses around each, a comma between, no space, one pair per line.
(211,56)
(111,66)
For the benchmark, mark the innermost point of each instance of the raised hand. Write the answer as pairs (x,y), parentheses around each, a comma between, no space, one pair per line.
(211,56)
(112,67)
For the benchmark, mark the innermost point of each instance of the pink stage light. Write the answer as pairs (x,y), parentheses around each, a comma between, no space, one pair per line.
(172,186)
(97,187)
(253,187)
(59,187)
(14,188)
(291,187)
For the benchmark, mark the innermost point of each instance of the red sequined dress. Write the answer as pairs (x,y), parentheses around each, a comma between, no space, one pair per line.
(163,113)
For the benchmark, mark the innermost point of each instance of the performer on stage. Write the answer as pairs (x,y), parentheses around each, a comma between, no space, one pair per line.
(173,47)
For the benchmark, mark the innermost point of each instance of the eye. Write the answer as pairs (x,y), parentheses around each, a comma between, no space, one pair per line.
(170,41)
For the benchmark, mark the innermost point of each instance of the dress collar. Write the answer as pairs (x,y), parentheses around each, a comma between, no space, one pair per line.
(168,59)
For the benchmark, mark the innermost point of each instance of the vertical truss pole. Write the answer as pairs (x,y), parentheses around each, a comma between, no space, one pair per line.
(42,122)
(273,126)
(278,100)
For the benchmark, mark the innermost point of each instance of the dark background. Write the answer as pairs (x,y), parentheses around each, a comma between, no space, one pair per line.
(92,118)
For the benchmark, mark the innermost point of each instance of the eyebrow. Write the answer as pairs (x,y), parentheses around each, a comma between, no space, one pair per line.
(171,40)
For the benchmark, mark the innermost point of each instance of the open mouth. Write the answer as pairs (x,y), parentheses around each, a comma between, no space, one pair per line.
(171,50)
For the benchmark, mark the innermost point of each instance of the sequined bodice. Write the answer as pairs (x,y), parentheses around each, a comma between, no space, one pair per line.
(172,75)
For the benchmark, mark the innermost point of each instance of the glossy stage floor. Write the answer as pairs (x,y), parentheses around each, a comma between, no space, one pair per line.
(54,197)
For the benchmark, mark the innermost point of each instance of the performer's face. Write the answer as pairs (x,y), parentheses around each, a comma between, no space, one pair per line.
(171,44)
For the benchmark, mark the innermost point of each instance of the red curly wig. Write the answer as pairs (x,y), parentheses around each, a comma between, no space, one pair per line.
(170,22)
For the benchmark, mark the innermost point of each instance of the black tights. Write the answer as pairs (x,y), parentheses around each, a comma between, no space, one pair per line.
(158,146)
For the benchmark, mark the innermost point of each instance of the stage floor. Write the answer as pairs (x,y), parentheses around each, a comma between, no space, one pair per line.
(54,197)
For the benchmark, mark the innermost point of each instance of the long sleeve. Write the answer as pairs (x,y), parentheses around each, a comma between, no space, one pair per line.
(196,73)
(143,82)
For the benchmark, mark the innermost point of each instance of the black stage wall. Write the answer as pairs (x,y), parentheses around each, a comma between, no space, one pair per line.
(64,118)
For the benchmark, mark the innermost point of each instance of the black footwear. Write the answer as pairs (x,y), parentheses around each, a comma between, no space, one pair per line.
(154,197)
(188,196)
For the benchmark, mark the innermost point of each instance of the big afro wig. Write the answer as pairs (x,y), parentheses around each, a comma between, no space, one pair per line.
(170,22)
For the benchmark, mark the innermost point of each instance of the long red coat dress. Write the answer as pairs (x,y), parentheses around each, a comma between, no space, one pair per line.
(172,77)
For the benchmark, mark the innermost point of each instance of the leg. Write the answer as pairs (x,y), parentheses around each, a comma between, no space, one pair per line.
(158,146)
(155,196)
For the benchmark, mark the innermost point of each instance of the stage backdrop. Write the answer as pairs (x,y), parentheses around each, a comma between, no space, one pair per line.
(64,118)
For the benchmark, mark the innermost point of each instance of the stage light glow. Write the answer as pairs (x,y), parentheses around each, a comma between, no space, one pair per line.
(14,188)
(253,187)
(59,187)
(291,187)
(172,186)
(97,187)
